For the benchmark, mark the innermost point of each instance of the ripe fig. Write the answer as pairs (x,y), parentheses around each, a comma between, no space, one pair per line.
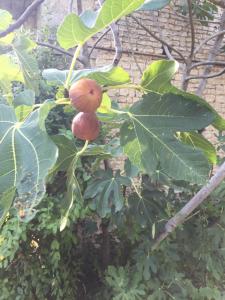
(85,126)
(85,95)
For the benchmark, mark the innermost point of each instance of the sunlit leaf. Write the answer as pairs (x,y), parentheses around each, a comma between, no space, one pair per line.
(157,77)
(148,138)
(27,154)
(73,30)
(5,21)
(107,75)
(105,105)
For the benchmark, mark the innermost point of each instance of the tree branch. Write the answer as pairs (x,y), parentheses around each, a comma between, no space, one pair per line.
(220,3)
(98,40)
(70,6)
(206,76)
(222,32)
(117,42)
(79,7)
(205,63)
(181,216)
(132,50)
(212,54)
(166,49)
(47,45)
(158,39)
(192,28)
(25,15)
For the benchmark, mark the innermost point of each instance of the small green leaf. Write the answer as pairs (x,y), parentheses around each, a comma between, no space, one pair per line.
(67,151)
(27,97)
(106,191)
(105,105)
(5,203)
(10,71)
(5,21)
(130,169)
(29,66)
(154,4)
(89,17)
(73,193)
(73,30)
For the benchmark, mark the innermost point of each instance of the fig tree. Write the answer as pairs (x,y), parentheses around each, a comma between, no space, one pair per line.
(85,126)
(85,95)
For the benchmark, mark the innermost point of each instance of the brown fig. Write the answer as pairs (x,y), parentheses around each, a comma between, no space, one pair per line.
(85,95)
(85,126)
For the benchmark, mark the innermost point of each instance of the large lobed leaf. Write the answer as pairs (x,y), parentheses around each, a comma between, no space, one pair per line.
(157,77)
(27,154)
(107,75)
(74,30)
(149,140)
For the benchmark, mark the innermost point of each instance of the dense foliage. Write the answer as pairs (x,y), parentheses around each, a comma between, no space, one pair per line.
(72,225)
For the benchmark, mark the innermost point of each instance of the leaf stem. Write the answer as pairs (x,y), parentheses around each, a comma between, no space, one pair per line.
(75,57)
(119,112)
(79,153)
(136,189)
(124,86)
(62,101)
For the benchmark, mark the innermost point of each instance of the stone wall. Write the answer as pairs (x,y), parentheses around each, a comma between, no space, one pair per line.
(140,49)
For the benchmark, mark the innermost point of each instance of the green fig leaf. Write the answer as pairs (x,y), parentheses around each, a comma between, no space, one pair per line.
(107,75)
(27,155)
(198,141)
(106,190)
(157,78)
(149,140)
(74,30)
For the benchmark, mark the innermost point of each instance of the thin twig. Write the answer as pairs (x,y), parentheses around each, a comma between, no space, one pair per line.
(98,40)
(213,52)
(158,39)
(117,43)
(206,76)
(166,49)
(47,45)
(79,7)
(25,15)
(132,50)
(220,3)
(192,28)
(201,196)
(71,6)
(205,63)
(207,40)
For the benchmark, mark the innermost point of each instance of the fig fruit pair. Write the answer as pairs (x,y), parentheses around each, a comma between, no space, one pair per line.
(86,97)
